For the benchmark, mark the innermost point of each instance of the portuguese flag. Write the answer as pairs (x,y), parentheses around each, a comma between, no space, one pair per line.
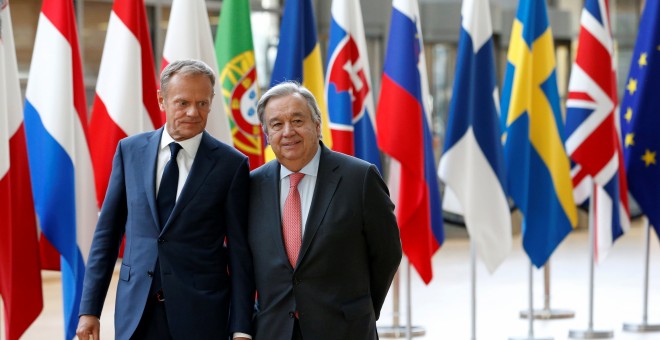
(238,78)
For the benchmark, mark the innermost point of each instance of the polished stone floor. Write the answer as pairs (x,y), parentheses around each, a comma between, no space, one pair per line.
(442,308)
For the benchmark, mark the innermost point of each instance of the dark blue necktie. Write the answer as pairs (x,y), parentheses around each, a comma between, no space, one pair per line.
(168,185)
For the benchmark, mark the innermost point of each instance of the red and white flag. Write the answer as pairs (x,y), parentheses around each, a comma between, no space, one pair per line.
(189,37)
(20,276)
(593,139)
(125,102)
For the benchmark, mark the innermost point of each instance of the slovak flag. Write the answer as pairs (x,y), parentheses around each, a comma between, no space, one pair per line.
(60,163)
(403,118)
(593,140)
(348,85)
(125,102)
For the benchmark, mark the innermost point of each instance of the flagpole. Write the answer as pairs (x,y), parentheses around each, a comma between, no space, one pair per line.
(397,331)
(530,334)
(548,313)
(590,333)
(473,289)
(644,326)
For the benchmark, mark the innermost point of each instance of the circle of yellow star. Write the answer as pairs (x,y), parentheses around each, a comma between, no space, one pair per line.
(642,60)
(632,86)
(630,139)
(649,157)
(628,115)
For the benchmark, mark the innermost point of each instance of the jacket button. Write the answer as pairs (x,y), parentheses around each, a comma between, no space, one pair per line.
(161,240)
(292,315)
(297,281)
(150,273)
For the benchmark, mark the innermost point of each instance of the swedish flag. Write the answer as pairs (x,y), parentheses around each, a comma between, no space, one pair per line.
(539,179)
(640,117)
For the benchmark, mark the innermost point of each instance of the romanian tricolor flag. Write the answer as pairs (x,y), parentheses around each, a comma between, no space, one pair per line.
(539,179)
(299,56)
(238,79)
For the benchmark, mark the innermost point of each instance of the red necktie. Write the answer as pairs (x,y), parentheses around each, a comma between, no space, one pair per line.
(292,219)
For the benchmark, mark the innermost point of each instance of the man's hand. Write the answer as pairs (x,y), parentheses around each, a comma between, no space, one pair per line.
(88,327)
(241,338)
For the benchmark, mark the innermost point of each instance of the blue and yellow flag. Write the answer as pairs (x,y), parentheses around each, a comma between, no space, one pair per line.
(539,179)
(640,118)
(299,57)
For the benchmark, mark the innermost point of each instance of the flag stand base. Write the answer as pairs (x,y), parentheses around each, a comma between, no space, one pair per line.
(394,332)
(529,337)
(590,334)
(548,314)
(641,327)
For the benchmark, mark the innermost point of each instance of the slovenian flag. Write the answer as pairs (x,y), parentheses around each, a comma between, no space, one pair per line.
(472,163)
(348,85)
(60,163)
(403,118)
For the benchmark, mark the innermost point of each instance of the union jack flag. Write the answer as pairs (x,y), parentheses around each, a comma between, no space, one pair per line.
(593,140)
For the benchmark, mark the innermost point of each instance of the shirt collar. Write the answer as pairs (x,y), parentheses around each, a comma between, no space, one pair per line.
(189,145)
(311,169)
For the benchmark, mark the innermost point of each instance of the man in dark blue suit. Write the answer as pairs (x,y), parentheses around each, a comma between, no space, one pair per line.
(322,231)
(180,197)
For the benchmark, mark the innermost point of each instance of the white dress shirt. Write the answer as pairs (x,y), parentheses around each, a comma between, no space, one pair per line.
(184,158)
(305,186)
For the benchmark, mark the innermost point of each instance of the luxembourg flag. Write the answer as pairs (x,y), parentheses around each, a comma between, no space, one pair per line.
(189,37)
(125,102)
(60,164)
(472,164)
(348,85)
(403,118)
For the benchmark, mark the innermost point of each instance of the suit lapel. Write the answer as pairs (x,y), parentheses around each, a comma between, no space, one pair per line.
(200,169)
(271,188)
(326,184)
(150,154)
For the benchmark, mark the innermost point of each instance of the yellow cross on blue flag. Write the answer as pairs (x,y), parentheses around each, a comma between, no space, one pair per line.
(539,179)
(640,117)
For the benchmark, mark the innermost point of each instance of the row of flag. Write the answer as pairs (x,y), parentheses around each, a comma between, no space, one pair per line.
(517,146)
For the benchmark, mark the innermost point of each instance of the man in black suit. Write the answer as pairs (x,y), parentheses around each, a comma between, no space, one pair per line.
(180,197)
(322,231)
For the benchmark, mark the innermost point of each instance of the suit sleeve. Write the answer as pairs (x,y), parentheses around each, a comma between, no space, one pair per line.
(107,239)
(240,258)
(382,234)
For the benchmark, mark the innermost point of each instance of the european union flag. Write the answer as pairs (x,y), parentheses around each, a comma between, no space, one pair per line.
(538,167)
(641,116)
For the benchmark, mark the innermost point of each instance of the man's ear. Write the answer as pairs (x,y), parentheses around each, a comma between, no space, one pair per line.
(161,100)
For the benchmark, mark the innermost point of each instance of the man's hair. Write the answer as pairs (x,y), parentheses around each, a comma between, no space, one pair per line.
(285,89)
(184,67)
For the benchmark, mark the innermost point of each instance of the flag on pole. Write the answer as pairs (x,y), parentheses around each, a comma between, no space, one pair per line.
(189,37)
(641,116)
(404,133)
(472,163)
(539,179)
(348,85)
(238,79)
(60,163)
(299,56)
(593,140)
(125,103)
(20,275)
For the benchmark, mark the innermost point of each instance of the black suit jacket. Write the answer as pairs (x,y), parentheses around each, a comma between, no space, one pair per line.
(202,299)
(349,255)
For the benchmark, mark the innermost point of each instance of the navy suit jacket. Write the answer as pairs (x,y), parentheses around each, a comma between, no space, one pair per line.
(350,252)
(208,286)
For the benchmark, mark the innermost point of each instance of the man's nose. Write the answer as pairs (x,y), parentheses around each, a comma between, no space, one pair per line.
(193,111)
(288,129)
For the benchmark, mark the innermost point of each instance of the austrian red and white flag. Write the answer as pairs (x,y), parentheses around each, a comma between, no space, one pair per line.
(20,276)
(189,37)
(125,102)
